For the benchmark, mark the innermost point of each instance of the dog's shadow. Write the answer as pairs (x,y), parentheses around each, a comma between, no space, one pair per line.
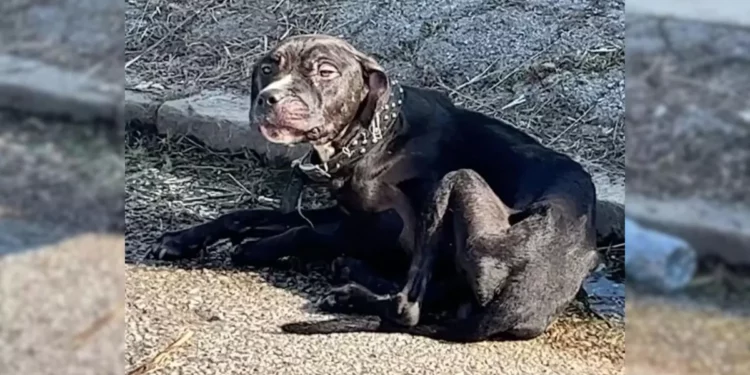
(311,281)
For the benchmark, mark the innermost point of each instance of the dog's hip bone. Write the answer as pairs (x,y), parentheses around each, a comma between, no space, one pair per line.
(657,259)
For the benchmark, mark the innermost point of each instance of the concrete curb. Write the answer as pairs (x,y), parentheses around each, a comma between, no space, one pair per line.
(35,87)
(218,119)
(727,12)
(712,229)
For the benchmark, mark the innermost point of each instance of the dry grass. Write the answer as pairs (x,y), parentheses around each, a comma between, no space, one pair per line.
(173,183)
(195,60)
(108,317)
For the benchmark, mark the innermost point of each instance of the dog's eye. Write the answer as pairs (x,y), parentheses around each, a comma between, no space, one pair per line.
(266,70)
(327,71)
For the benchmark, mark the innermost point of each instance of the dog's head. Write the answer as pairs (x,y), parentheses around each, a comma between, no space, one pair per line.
(311,87)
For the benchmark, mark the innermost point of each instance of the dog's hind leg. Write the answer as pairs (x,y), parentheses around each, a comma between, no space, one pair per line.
(524,275)
(475,208)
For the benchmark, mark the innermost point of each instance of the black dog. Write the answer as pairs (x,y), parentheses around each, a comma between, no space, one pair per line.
(468,210)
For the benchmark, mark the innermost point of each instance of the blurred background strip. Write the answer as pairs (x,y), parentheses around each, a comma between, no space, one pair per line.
(688,168)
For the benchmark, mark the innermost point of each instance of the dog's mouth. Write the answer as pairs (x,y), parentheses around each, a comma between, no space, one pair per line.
(279,133)
(286,122)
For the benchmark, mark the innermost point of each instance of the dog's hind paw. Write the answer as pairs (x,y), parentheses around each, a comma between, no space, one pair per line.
(351,298)
(333,303)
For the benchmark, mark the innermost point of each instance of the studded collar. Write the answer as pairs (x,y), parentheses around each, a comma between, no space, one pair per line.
(358,144)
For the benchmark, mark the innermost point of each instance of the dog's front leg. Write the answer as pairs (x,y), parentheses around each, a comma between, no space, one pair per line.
(309,244)
(237,226)
(403,308)
(409,300)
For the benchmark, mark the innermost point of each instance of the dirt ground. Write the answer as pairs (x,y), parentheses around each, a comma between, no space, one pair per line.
(59,159)
(175,184)
(555,68)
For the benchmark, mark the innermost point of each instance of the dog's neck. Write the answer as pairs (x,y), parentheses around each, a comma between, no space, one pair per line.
(354,141)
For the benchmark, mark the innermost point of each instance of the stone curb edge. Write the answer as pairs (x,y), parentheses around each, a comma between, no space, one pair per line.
(712,229)
(32,86)
(722,12)
(217,119)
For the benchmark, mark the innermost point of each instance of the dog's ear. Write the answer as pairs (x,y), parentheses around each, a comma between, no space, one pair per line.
(374,75)
(376,81)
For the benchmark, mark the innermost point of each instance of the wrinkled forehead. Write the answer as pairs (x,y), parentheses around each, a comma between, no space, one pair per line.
(308,49)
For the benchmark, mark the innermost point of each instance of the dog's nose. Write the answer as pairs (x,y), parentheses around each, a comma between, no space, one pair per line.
(269,97)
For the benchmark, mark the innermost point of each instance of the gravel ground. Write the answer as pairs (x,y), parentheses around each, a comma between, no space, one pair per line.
(685,338)
(81,35)
(234,318)
(62,307)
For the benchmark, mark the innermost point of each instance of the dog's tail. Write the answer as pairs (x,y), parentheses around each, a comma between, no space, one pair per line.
(610,223)
(494,321)
(450,332)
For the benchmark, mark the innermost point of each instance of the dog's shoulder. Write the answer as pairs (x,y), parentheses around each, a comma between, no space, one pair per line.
(426,100)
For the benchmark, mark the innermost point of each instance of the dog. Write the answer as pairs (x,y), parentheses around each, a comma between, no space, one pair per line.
(436,205)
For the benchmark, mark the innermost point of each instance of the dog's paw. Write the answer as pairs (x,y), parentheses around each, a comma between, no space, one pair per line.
(173,246)
(406,313)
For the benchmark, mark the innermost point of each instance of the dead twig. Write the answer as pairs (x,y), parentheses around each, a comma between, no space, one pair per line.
(571,126)
(83,337)
(160,359)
